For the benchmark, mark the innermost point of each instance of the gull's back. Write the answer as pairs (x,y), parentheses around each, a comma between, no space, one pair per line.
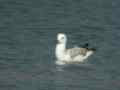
(73,52)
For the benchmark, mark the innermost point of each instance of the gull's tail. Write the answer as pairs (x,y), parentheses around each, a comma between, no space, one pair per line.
(87,47)
(92,49)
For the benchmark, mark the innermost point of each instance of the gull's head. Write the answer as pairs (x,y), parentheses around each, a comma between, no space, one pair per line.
(61,37)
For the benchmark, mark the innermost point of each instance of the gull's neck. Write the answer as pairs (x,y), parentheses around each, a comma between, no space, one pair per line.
(61,47)
(60,50)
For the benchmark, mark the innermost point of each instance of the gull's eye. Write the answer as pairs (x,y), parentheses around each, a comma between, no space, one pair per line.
(62,38)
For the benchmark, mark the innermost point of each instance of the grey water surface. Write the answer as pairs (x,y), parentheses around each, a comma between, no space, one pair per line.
(28,30)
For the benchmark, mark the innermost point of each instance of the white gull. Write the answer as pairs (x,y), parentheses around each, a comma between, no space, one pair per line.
(73,55)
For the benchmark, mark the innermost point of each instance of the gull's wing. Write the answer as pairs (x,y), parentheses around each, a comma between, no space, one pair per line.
(73,52)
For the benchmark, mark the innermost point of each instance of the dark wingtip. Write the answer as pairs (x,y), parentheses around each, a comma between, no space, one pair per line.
(85,45)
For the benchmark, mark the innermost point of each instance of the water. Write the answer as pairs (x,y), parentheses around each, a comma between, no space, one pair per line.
(28,31)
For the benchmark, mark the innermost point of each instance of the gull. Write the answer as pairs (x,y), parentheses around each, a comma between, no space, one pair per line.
(72,55)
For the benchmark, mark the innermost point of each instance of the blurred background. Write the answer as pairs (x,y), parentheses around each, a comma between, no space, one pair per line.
(28,30)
